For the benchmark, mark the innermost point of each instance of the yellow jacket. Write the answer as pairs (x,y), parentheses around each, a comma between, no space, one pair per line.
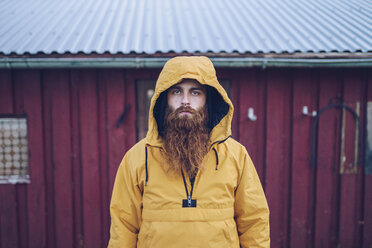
(147,203)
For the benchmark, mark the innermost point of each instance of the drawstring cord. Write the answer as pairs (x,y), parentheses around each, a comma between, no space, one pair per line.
(147,173)
(215,151)
(216,157)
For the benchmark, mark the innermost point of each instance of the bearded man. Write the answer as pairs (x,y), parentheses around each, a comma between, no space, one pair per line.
(188,183)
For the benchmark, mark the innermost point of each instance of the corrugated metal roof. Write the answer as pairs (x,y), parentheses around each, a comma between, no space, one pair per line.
(217,26)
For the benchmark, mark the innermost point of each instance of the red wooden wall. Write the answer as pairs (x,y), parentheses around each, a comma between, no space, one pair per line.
(75,148)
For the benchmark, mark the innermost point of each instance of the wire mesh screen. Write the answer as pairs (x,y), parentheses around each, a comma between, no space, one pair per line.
(13,151)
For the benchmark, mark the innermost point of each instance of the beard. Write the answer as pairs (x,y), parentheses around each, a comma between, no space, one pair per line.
(185,140)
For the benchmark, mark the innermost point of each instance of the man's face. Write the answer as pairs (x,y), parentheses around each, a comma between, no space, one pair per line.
(188,93)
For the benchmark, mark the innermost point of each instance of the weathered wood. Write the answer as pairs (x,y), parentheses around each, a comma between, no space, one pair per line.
(20,193)
(112,139)
(252,87)
(8,204)
(278,117)
(103,128)
(75,77)
(305,89)
(327,172)
(351,179)
(57,106)
(49,166)
(19,80)
(367,197)
(35,195)
(235,98)
(90,177)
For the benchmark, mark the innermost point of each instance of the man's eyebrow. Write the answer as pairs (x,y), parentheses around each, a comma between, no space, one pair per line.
(175,87)
(193,88)
(201,88)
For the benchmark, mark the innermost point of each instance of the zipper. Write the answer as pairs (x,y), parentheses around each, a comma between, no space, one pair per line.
(189,202)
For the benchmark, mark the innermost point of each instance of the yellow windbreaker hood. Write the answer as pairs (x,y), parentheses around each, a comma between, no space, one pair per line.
(220,108)
(223,207)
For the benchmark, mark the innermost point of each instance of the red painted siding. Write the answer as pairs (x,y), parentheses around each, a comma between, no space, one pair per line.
(305,90)
(351,182)
(75,149)
(32,102)
(277,158)
(57,150)
(327,170)
(8,205)
(367,187)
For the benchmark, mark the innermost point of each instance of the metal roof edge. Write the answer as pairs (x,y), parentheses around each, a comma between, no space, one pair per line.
(143,62)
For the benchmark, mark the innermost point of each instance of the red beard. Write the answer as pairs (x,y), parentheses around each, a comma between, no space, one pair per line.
(186,140)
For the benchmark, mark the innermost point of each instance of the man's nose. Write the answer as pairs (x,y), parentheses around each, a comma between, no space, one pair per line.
(185,99)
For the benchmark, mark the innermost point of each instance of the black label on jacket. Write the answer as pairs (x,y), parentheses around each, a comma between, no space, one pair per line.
(188,204)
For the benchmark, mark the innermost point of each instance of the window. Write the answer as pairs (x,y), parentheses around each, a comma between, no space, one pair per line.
(13,150)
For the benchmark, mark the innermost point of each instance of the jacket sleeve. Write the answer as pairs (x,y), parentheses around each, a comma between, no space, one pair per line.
(251,209)
(125,208)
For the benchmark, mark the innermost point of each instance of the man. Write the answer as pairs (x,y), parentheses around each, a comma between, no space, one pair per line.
(188,183)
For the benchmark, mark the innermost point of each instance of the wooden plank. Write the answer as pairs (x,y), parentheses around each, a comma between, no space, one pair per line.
(49,165)
(130,98)
(235,98)
(78,229)
(228,79)
(278,116)
(131,78)
(89,158)
(29,90)
(20,77)
(8,203)
(58,107)
(351,179)
(327,176)
(104,78)
(302,189)
(142,106)
(367,220)
(36,190)
(142,74)
(112,139)
(6,99)
(252,88)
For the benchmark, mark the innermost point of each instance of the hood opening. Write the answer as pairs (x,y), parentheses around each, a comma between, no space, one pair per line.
(159,111)
(217,108)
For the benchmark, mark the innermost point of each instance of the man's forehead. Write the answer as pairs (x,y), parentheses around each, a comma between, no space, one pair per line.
(191,82)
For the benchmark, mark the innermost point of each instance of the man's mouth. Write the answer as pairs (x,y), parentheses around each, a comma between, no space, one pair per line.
(185,113)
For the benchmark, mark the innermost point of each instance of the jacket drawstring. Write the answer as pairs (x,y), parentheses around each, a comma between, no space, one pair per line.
(147,173)
(215,151)
(216,157)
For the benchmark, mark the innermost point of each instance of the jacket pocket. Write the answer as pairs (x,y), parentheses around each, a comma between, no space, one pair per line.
(231,233)
(144,235)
